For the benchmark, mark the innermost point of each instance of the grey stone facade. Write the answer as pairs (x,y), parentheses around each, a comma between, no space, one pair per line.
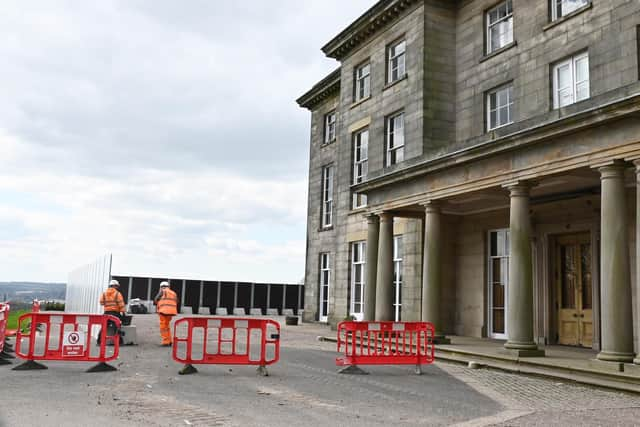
(451,158)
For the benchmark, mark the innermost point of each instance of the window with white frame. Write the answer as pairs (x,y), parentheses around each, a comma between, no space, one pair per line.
(327,196)
(500,107)
(397,63)
(330,127)
(358,275)
(499,21)
(571,80)
(360,164)
(325,278)
(362,82)
(560,8)
(498,280)
(397,276)
(395,139)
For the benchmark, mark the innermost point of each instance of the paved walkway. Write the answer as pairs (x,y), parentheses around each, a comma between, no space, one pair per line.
(303,389)
(562,362)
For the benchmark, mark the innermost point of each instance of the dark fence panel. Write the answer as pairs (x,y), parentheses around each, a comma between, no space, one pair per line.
(209,299)
(139,289)
(291,298)
(192,294)
(260,297)
(244,296)
(226,295)
(275,300)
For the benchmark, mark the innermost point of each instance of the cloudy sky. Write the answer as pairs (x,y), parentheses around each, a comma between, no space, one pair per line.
(162,131)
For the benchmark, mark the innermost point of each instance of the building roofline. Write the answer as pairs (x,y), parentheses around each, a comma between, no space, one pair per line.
(321,90)
(372,21)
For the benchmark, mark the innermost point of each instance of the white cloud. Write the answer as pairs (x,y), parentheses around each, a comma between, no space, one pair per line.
(161,131)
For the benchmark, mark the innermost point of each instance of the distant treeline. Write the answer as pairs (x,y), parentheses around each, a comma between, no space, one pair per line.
(27,291)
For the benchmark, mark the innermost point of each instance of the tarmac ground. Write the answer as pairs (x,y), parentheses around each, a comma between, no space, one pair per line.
(303,389)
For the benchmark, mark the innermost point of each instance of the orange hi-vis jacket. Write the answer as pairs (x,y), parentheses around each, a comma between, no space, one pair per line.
(112,300)
(167,304)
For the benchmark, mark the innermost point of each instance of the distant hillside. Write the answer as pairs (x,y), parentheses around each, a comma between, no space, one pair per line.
(27,291)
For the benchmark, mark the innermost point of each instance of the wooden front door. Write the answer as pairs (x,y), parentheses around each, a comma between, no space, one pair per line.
(575,286)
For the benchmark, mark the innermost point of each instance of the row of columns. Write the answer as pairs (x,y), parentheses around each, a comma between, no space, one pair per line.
(615,282)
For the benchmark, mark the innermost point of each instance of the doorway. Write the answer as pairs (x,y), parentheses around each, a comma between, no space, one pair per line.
(574,285)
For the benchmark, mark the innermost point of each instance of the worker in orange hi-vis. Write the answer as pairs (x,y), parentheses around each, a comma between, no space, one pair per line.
(167,306)
(113,304)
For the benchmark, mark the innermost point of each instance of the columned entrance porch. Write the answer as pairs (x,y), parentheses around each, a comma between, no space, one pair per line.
(545,287)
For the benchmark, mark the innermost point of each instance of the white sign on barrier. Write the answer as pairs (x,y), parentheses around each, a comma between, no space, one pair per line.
(73,344)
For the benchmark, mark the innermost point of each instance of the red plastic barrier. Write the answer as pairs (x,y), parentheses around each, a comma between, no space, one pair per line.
(66,337)
(4,317)
(385,343)
(226,341)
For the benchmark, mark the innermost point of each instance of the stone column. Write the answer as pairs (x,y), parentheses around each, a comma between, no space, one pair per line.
(384,279)
(432,269)
(373,234)
(616,318)
(637,163)
(520,292)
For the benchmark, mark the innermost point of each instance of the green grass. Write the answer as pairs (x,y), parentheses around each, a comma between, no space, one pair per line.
(12,323)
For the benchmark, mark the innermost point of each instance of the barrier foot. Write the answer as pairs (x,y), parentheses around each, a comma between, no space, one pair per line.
(262,370)
(418,370)
(102,367)
(187,370)
(352,370)
(29,365)
(4,362)
(5,355)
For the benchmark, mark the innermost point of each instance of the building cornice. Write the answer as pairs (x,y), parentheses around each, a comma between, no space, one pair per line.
(371,22)
(583,120)
(322,90)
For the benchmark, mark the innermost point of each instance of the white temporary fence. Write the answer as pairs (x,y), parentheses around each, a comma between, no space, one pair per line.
(86,284)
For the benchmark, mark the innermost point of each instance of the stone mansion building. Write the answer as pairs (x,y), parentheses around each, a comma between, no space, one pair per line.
(476,164)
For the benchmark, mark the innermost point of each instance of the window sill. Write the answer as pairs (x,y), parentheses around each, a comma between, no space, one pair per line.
(395,82)
(499,127)
(326,144)
(498,52)
(567,17)
(362,101)
(357,210)
(320,230)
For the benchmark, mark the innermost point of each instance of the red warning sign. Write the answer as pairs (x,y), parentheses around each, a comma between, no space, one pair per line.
(73,344)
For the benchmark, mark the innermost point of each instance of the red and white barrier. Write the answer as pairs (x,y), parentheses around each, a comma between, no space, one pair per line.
(226,341)
(66,337)
(4,317)
(384,343)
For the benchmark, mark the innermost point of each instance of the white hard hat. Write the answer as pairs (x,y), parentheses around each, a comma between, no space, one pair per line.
(114,283)
(164,284)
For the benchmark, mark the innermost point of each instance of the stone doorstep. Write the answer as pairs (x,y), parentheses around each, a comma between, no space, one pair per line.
(606,376)
(621,371)
(600,375)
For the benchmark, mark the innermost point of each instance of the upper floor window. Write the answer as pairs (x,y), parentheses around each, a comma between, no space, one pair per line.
(396,54)
(571,80)
(362,82)
(499,26)
(395,139)
(330,127)
(327,196)
(500,107)
(360,164)
(560,8)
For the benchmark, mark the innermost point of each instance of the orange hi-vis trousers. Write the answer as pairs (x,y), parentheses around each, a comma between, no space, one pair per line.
(165,328)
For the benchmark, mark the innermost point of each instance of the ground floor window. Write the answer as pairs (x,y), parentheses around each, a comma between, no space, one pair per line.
(397,276)
(358,273)
(498,280)
(325,277)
